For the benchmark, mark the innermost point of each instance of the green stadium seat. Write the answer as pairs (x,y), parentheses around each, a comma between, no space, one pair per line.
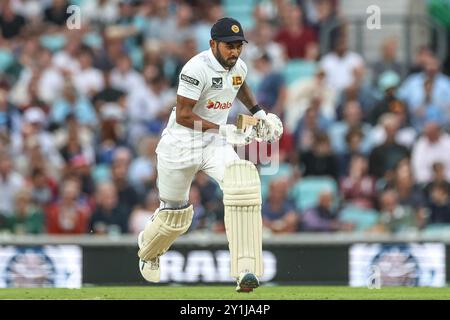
(436,229)
(241,11)
(284,170)
(297,69)
(305,193)
(53,42)
(6,59)
(363,219)
(101,173)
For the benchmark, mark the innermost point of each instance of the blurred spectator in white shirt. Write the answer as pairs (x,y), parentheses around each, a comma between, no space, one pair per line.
(51,81)
(124,77)
(300,95)
(432,147)
(88,80)
(148,106)
(67,59)
(339,65)
(33,133)
(10,183)
(39,78)
(263,42)
(142,213)
(101,12)
(31,10)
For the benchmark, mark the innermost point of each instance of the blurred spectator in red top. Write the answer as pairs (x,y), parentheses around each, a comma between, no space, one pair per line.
(67,215)
(358,188)
(299,40)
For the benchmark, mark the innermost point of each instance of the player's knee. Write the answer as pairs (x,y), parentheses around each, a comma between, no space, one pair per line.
(173,204)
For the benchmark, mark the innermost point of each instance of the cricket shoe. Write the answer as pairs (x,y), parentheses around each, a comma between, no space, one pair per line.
(149,269)
(246,282)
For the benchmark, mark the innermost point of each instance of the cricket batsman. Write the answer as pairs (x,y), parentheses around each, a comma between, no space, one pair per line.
(197,137)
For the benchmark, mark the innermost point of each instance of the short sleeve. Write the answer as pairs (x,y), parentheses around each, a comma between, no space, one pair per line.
(191,81)
(244,69)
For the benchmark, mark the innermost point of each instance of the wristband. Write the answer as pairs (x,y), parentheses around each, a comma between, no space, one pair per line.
(255,109)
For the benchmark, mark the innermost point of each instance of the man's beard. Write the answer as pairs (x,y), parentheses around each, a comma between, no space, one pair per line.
(225,63)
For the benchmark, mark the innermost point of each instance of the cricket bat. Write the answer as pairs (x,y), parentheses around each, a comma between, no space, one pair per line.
(243,121)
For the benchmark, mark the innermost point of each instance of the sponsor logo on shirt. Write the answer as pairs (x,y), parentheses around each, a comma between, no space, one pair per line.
(217,83)
(237,80)
(190,80)
(218,105)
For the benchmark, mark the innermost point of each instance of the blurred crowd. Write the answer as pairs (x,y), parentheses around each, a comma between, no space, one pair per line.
(366,146)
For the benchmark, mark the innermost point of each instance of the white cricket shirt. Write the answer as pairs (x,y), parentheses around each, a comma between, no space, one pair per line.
(204,79)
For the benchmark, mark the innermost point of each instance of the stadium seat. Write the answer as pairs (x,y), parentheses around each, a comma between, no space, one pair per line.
(297,69)
(101,173)
(305,193)
(437,229)
(241,11)
(363,219)
(284,170)
(6,59)
(54,42)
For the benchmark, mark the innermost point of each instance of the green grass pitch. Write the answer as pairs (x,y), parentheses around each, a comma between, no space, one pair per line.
(228,293)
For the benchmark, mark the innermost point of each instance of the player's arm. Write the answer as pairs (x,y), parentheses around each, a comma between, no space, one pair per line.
(245,95)
(186,117)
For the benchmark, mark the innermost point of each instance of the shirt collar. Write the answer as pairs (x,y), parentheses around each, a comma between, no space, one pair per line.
(216,65)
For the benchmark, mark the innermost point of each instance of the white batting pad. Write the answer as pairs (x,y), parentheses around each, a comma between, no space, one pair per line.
(243,222)
(162,231)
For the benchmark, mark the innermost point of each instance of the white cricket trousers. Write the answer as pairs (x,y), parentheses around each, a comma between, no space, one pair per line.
(177,165)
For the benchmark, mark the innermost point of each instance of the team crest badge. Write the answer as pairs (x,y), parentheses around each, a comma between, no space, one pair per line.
(237,80)
(235,28)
